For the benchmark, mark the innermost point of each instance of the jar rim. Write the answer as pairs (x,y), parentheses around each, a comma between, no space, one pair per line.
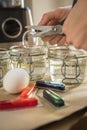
(31,50)
(61,52)
(4,53)
(3,50)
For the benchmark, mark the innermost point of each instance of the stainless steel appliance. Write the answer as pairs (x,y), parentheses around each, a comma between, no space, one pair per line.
(13,19)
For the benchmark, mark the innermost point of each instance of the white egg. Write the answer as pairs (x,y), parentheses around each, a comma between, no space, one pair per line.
(15,80)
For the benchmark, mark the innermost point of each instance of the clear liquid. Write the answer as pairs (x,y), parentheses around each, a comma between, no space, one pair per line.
(69,75)
(34,65)
(55,70)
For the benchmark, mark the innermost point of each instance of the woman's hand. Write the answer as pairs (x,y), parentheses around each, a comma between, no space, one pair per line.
(53,18)
(75,26)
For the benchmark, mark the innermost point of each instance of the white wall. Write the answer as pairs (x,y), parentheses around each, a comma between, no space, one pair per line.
(41,6)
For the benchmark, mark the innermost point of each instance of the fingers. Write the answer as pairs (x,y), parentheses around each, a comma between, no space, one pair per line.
(46,18)
(62,41)
(48,38)
(53,18)
(55,39)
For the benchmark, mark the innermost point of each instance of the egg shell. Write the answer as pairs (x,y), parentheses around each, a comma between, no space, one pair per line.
(15,80)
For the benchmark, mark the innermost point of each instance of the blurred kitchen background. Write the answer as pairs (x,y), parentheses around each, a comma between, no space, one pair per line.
(16,14)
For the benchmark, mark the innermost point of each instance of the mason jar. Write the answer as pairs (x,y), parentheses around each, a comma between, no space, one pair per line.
(4,63)
(67,65)
(32,59)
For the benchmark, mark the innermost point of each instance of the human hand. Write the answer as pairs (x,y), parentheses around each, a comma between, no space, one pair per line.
(75,26)
(54,18)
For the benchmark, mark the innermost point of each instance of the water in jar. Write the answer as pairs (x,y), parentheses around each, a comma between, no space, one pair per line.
(32,59)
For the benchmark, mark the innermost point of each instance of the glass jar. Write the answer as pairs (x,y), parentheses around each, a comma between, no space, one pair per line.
(67,65)
(4,63)
(32,59)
